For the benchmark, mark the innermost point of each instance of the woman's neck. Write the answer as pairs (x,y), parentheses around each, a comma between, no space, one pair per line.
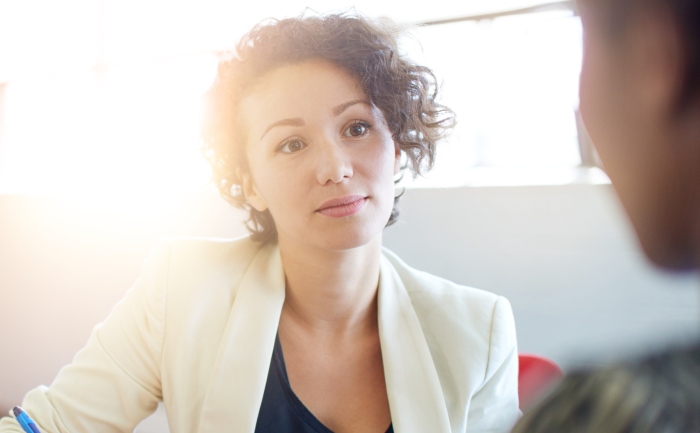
(331,292)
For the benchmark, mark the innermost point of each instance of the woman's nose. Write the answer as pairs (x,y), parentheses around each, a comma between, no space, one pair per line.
(333,164)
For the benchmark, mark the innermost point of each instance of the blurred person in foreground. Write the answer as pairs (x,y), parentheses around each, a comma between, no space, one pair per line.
(640,100)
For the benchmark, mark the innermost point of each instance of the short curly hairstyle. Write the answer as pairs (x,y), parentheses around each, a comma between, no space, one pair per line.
(405,93)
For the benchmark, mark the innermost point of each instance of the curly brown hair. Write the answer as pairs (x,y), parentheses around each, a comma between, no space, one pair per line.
(405,92)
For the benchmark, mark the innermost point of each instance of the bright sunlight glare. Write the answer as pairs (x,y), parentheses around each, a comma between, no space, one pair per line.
(114,120)
(108,136)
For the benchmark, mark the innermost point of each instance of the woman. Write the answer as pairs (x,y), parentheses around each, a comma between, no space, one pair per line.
(308,324)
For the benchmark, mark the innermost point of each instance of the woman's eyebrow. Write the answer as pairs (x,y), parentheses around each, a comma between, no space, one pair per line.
(342,107)
(296,121)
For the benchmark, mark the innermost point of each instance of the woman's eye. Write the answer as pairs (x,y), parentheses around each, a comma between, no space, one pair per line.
(292,146)
(357,129)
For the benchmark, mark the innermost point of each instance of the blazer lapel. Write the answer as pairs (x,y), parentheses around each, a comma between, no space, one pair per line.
(239,375)
(415,397)
(240,372)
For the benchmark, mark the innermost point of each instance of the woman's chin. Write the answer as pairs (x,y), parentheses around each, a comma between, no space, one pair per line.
(350,239)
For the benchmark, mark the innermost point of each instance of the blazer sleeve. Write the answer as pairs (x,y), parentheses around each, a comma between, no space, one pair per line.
(114,381)
(494,406)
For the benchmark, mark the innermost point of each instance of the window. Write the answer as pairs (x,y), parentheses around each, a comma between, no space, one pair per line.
(97,98)
(513,83)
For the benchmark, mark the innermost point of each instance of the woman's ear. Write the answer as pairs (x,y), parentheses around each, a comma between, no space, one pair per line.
(250,191)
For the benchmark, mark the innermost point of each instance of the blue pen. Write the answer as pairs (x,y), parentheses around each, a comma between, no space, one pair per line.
(28,425)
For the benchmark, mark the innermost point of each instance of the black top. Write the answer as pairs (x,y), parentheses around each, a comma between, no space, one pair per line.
(281,410)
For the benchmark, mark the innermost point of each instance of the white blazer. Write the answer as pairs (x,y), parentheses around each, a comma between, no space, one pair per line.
(197,331)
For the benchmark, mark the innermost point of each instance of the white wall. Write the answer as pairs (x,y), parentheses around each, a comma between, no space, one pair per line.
(566,258)
(563,255)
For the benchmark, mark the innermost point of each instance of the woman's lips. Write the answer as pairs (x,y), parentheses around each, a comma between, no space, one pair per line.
(343,206)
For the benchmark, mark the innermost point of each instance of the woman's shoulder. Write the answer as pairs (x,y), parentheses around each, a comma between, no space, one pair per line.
(196,249)
(195,254)
(202,264)
(472,314)
(465,327)
(421,284)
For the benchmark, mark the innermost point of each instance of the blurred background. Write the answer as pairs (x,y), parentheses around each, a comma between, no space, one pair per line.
(99,114)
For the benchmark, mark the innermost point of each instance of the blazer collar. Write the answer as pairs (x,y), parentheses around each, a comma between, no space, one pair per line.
(240,371)
(239,375)
(415,397)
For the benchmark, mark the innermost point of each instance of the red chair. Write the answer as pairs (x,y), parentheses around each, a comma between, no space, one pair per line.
(535,376)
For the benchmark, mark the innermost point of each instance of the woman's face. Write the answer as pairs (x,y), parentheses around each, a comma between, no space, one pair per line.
(321,157)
